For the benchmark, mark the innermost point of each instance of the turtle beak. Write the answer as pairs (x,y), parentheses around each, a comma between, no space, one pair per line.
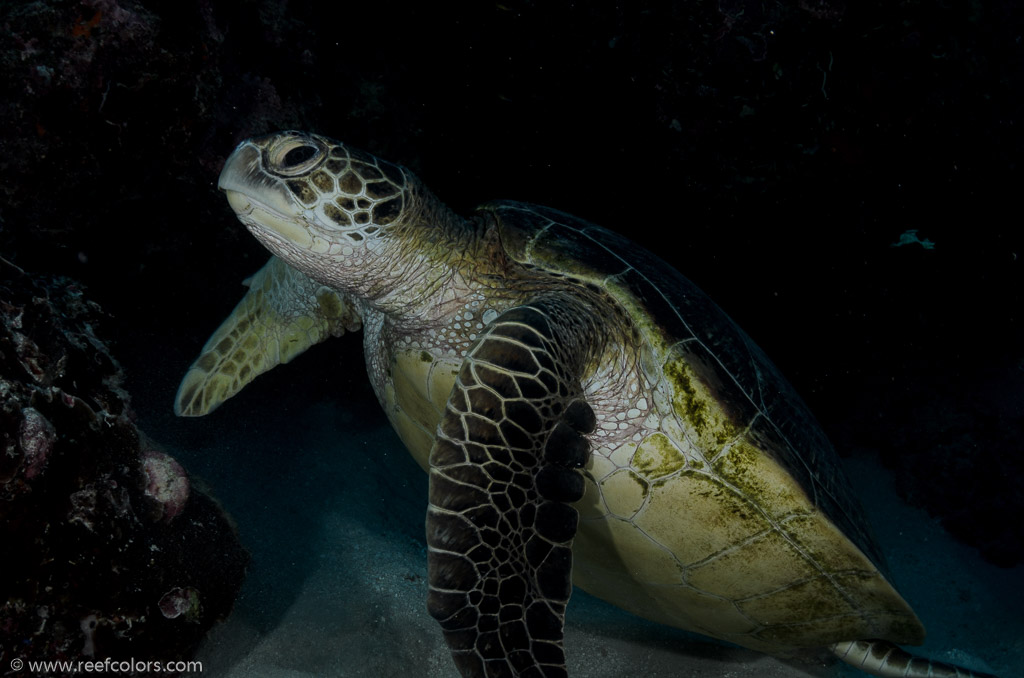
(261,200)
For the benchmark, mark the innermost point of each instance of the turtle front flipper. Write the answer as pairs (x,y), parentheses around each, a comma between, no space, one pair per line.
(283,313)
(882,658)
(502,479)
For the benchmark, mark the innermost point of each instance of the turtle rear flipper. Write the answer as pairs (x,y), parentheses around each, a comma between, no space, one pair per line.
(502,478)
(283,314)
(882,658)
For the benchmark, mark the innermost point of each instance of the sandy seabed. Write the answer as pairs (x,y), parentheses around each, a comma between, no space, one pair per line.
(332,508)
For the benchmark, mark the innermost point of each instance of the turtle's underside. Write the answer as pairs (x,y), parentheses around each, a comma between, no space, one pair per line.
(585,413)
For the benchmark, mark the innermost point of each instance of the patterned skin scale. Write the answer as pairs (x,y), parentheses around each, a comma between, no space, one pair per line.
(587,416)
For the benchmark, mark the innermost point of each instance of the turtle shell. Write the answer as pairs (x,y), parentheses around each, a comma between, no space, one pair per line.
(754,435)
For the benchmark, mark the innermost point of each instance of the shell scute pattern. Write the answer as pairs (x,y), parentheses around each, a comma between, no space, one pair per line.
(657,457)
(693,420)
(703,400)
(625,493)
(674,315)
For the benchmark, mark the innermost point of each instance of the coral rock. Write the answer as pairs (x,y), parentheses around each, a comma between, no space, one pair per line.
(36,439)
(97,560)
(166,483)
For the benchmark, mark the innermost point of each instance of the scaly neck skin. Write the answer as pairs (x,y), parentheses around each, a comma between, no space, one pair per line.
(425,272)
(417,272)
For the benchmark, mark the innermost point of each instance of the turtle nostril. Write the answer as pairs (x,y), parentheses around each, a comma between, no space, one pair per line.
(297,156)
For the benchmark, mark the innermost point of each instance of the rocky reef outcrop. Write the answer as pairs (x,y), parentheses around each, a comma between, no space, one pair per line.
(109,548)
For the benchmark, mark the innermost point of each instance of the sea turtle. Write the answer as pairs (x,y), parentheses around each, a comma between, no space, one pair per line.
(586,414)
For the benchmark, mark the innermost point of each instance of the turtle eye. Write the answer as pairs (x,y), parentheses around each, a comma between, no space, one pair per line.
(295,154)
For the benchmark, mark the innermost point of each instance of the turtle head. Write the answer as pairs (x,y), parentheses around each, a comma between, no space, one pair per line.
(316,203)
